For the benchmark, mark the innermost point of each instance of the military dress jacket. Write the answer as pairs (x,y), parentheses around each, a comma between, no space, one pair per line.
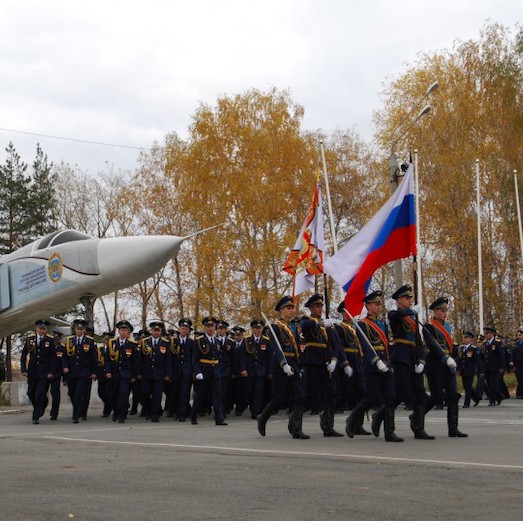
(80,357)
(377,333)
(408,347)
(122,359)
(181,356)
(38,359)
(206,357)
(255,356)
(494,356)
(155,359)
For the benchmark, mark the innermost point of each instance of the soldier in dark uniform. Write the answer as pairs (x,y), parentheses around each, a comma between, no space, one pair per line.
(102,380)
(319,362)
(254,363)
(379,378)
(155,369)
(182,347)
(38,364)
(441,367)
(135,387)
(56,382)
(469,364)
(408,360)
(237,384)
(517,363)
(225,346)
(285,367)
(122,360)
(494,359)
(352,389)
(206,366)
(80,366)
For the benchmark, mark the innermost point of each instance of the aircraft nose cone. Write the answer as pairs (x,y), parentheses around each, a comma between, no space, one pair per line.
(125,260)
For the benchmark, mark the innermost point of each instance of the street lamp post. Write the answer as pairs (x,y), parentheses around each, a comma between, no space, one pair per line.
(394,166)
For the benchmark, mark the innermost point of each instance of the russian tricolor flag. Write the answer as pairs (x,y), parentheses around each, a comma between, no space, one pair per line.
(388,236)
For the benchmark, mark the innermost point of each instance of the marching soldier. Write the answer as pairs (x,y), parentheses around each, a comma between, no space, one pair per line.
(254,362)
(408,359)
(122,360)
(102,380)
(319,361)
(285,367)
(469,363)
(38,364)
(225,347)
(237,381)
(55,383)
(441,367)
(494,360)
(182,348)
(135,387)
(155,369)
(379,379)
(206,365)
(79,367)
(517,362)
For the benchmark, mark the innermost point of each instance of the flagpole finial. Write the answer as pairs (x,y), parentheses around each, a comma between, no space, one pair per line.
(318,175)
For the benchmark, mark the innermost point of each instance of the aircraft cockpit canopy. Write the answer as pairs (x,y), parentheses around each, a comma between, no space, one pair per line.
(61,237)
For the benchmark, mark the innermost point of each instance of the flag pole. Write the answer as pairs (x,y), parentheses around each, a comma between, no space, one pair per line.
(419,289)
(480,266)
(520,226)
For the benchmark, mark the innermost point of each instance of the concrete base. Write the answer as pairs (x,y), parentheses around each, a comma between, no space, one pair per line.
(15,393)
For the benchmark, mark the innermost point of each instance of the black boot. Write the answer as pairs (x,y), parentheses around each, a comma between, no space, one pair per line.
(389,426)
(354,422)
(263,417)
(377,418)
(417,424)
(452,421)
(295,424)
(327,423)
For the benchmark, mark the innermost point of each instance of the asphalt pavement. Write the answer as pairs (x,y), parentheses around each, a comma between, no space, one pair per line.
(100,470)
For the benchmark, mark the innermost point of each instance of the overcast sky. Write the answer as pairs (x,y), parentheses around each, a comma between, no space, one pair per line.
(128,72)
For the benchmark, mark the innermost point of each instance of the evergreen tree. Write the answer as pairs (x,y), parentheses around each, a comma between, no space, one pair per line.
(15,205)
(43,200)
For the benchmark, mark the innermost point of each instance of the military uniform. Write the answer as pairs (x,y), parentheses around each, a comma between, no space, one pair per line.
(38,361)
(56,382)
(441,367)
(379,378)
(206,366)
(100,371)
(182,370)
(155,368)
(494,360)
(226,349)
(321,348)
(254,365)
(285,366)
(80,364)
(122,362)
(469,363)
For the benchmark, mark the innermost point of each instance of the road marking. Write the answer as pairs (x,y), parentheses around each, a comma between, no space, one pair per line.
(207,448)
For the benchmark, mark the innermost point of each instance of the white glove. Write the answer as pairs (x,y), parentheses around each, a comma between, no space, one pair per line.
(382,367)
(451,363)
(348,370)
(418,368)
(331,366)
(199,376)
(328,322)
(287,369)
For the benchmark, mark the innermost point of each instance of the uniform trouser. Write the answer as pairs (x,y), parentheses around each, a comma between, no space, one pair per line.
(180,396)
(37,392)
(319,383)
(151,391)
(55,395)
(287,391)
(470,392)
(519,377)
(352,390)
(246,393)
(226,394)
(380,390)
(102,393)
(493,379)
(118,396)
(136,388)
(259,395)
(503,390)
(210,384)
(167,389)
(87,400)
(443,388)
(77,390)
(409,386)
